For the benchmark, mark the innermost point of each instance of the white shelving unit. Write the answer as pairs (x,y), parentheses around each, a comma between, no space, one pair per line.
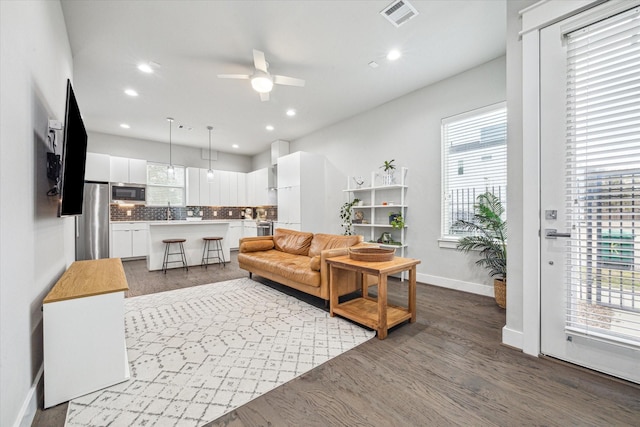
(379,201)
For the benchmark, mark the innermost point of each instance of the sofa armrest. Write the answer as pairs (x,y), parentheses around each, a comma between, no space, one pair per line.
(324,267)
(254,244)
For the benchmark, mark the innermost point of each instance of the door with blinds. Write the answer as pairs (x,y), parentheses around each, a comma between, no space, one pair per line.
(590,191)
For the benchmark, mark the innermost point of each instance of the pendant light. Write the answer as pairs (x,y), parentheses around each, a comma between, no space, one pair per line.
(210,171)
(170,169)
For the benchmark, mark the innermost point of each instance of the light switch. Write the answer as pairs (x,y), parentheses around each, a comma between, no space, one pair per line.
(129,212)
(215,213)
(230,213)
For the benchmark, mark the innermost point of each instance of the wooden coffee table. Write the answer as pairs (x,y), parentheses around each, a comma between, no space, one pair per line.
(368,311)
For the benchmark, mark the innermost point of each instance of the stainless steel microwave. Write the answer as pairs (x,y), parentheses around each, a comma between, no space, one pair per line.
(128,193)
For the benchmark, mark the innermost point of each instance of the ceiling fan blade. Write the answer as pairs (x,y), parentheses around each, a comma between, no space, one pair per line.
(234,76)
(289,81)
(258,60)
(264,96)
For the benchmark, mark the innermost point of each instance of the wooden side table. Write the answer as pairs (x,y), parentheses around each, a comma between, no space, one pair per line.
(367,311)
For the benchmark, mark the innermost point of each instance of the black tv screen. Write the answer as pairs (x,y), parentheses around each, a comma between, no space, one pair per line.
(74,154)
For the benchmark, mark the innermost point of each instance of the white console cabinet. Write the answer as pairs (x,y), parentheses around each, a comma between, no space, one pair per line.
(83,328)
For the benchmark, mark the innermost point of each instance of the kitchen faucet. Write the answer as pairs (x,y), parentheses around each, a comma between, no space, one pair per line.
(169,211)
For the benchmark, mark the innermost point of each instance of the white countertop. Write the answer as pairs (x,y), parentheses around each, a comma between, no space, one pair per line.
(185,222)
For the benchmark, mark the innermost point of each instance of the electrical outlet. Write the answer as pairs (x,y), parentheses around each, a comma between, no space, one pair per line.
(230,213)
(215,213)
(129,212)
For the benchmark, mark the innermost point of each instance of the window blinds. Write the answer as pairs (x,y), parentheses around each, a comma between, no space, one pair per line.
(603,179)
(474,161)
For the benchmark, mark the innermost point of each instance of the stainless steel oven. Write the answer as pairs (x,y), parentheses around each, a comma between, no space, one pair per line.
(265,228)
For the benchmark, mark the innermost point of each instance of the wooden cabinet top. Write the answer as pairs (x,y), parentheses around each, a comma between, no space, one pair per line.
(89,278)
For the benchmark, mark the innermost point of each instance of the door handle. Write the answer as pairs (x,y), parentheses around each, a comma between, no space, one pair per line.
(552,233)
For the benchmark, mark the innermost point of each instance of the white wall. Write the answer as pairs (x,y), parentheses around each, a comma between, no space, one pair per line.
(35,245)
(408,130)
(159,152)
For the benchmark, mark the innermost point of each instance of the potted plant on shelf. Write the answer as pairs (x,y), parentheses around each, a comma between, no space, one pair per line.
(490,238)
(388,167)
(346,215)
(396,220)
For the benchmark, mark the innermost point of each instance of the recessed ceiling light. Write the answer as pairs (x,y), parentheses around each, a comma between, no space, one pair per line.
(269,128)
(131,92)
(393,55)
(235,146)
(291,112)
(373,64)
(124,126)
(145,68)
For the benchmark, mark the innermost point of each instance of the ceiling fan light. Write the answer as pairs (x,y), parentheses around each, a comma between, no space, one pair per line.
(262,84)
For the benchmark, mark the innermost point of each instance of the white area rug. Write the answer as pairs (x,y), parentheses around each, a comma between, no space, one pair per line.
(200,352)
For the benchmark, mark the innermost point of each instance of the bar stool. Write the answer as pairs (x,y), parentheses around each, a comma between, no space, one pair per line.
(217,248)
(167,253)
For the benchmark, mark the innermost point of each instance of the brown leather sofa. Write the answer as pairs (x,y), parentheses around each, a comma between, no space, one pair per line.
(298,260)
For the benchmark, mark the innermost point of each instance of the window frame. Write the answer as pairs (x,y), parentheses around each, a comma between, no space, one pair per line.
(182,187)
(445,240)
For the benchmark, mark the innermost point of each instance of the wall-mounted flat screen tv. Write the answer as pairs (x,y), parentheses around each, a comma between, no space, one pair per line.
(74,154)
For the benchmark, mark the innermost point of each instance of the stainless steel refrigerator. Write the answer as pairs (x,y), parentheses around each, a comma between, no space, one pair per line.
(92,227)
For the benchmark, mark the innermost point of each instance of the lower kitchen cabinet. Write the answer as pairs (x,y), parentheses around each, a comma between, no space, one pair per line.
(129,240)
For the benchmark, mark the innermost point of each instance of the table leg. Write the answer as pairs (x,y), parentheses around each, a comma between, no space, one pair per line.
(412,294)
(382,306)
(363,284)
(333,292)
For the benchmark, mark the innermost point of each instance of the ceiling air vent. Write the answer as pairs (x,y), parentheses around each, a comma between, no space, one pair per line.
(399,12)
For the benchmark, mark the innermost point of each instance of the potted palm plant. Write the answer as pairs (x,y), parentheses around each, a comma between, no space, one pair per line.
(490,239)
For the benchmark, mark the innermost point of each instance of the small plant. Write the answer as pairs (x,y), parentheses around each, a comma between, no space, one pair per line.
(346,215)
(396,221)
(388,165)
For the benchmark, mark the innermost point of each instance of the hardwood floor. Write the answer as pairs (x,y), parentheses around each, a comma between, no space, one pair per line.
(448,368)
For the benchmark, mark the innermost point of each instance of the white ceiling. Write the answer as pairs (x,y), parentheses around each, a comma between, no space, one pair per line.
(327,43)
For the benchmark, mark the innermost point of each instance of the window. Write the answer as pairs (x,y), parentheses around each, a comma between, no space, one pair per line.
(163,189)
(474,150)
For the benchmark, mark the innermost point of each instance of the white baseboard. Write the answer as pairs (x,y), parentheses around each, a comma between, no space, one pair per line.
(30,405)
(459,285)
(512,338)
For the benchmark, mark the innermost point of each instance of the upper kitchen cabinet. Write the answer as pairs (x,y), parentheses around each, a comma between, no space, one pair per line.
(193,187)
(97,167)
(131,171)
(258,188)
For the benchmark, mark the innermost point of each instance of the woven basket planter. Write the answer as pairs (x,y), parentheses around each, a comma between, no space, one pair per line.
(500,292)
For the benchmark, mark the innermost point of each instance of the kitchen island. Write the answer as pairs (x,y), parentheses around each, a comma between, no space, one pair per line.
(193,231)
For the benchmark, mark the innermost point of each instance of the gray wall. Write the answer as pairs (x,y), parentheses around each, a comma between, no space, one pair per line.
(159,152)
(35,245)
(408,130)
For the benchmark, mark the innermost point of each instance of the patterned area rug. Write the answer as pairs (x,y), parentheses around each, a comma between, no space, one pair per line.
(200,352)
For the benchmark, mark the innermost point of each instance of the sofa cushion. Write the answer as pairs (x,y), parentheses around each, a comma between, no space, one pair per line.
(292,267)
(320,242)
(292,242)
(256,245)
(314,264)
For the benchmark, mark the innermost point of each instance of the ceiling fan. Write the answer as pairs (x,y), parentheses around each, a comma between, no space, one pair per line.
(261,80)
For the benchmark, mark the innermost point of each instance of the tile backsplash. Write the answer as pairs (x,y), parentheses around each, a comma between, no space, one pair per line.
(158,213)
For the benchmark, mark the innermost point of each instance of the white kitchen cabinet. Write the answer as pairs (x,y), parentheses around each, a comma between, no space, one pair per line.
(224,180)
(97,167)
(301,192)
(130,171)
(234,234)
(233,189)
(258,188)
(242,189)
(193,187)
(249,229)
(205,189)
(129,239)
